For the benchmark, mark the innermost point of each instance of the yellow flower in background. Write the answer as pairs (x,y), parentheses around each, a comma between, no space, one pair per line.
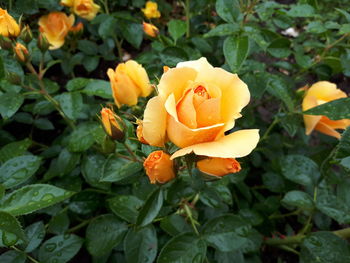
(8,25)
(128,82)
(219,166)
(159,168)
(150,30)
(84,8)
(55,27)
(196,104)
(319,93)
(151,10)
(112,124)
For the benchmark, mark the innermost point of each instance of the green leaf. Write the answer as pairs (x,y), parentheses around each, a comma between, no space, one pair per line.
(33,197)
(59,223)
(280,48)
(10,102)
(298,199)
(344,29)
(303,10)
(14,149)
(228,10)
(60,249)
(236,50)
(170,56)
(43,124)
(88,47)
(117,169)
(278,87)
(18,170)
(177,28)
(92,170)
(335,110)
(71,104)
(141,245)
(174,225)
(316,27)
(11,225)
(151,208)
(2,68)
(103,234)
(222,30)
(126,207)
(300,169)
(35,233)
(108,27)
(132,32)
(227,233)
(184,248)
(344,13)
(13,256)
(343,147)
(324,247)
(63,165)
(100,88)
(82,138)
(77,84)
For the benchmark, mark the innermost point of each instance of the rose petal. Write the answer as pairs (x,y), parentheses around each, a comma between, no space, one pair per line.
(199,65)
(310,120)
(186,112)
(234,145)
(139,76)
(324,128)
(154,122)
(208,113)
(324,90)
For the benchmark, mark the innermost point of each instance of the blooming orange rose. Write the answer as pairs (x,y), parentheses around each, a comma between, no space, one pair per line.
(55,26)
(129,81)
(159,168)
(8,25)
(196,104)
(21,52)
(319,93)
(151,10)
(84,8)
(150,30)
(219,166)
(112,124)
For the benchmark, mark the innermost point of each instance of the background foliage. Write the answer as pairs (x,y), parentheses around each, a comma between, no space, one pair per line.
(66,196)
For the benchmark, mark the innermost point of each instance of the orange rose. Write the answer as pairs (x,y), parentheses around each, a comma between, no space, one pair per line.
(55,26)
(159,168)
(319,93)
(8,26)
(150,29)
(196,104)
(112,124)
(219,166)
(84,8)
(129,81)
(21,52)
(151,10)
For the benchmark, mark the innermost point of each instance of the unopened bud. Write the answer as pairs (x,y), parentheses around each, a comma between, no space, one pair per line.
(150,30)
(43,43)
(159,167)
(21,53)
(5,43)
(112,124)
(216,166)
(26,34)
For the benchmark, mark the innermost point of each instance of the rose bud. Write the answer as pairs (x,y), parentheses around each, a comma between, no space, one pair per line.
(21,53)
(8,25)
(150,30)
(218,166)
(43,44)
(26,34)
(151,10)
(159,168)
(112,124)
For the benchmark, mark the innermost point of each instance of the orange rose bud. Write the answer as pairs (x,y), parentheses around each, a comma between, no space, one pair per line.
(151,10)
(21,52)
(139,132)
(8,25)
(150,30)
(77,29)
(112,124)
(159,168)
(219,166)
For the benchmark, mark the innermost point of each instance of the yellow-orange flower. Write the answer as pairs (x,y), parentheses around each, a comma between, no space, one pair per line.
(196,104)
(84,8)
(129,81)
(139,132)
(219,166)
(111,123)
(8,25)
(150,30)
(151,10)
(319,93)
(159,168)
(55,26)
(21,52)
(77,28)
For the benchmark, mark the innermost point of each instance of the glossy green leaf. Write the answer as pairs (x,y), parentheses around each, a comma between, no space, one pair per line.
(103,234)
(184,248)
(177,28)
(14,149)
(82,138)
(126,207)
(18,170)
(10,102)
(60,249)
(298,199)
(228,10)
(278,87)
(280,48)
(77,84)
(35,233)
(236,50)
(33,197)
(335,110)
(13,256)
(100,88)
(175,225)
(117,169)
(141,245)
(151,208)
(222,30)
(71,104)
(301,10)
(11,225)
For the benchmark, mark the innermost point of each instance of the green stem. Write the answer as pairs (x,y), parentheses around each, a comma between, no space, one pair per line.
(272,125)
(132,154)
(296,212)
(188,17)
(81,225)
(105,5)
(119,48)
(192,221)
(29,257)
